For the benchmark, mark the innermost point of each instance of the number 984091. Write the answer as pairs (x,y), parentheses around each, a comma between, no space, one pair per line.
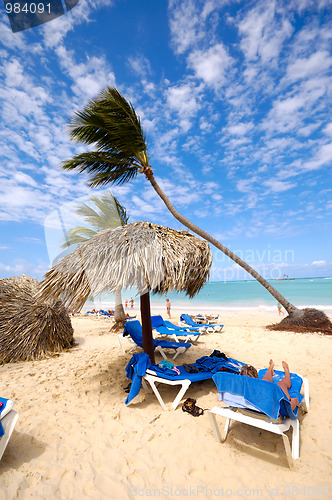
(27,8)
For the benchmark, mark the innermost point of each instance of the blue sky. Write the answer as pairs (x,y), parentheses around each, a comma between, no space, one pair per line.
(234,99)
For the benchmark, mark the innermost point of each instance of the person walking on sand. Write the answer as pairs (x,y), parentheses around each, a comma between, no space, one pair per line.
(126,304)
(279,309)
(168,308)
(131,303)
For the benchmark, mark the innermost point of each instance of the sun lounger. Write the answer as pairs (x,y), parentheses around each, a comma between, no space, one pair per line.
(187,321)
(142,372)
(163,327)
(133,329)
(210,320)
(261,404)
(8,419)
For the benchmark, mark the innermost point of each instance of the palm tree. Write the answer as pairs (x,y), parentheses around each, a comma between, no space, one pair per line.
(110,122)
(109,213)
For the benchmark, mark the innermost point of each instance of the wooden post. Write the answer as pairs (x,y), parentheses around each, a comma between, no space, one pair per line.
(146,326)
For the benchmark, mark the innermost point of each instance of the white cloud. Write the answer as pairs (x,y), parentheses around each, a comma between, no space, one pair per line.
(322,158)
(89,77)
(211,65)
(319,263)
(185,24)
(317,63)
(277,186)
(239,128)
(328,129)
(21,266)
(184,100)
(263,32)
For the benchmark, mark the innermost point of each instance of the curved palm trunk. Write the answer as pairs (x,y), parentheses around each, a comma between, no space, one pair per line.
(119,314)
(290,308)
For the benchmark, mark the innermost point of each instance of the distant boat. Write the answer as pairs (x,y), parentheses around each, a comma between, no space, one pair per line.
(285,277)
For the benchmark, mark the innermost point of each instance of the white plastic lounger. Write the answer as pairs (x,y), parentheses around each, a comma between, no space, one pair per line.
(242,411)
(186,321)
(151,379)
(9,418)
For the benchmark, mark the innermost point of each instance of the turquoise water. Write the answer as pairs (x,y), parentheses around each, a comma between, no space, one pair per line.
(242,294)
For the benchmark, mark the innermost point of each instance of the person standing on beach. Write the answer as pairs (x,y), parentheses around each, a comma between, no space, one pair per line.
(168,308)
(131,303)
(126,304)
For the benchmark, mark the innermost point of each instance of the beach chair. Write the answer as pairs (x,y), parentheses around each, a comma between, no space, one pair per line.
(162,327)
(261,404)
(8,419)
(133,330)
(210,320)
(143,373)
(187,321)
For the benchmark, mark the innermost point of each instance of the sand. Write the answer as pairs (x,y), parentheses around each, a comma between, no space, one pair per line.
(76,439)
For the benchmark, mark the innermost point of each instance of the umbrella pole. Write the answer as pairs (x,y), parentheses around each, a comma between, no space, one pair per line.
(146,326)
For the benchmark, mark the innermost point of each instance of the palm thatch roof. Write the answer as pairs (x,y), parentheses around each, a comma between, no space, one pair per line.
(30,328)
(141,254)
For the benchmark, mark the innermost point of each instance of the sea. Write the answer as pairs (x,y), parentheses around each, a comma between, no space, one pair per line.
(236,295)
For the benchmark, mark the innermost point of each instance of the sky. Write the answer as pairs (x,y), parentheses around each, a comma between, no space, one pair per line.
(235,102)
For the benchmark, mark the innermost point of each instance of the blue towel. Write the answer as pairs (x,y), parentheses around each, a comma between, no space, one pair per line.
(214,364)
(4,402)
(135,370)
(267,397)
(140,362)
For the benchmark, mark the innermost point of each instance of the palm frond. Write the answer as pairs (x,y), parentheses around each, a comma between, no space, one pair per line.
(110,122)
(116,167)
(109,213)
(78,235)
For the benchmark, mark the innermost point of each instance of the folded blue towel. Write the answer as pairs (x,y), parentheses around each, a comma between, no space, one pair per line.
(266,396)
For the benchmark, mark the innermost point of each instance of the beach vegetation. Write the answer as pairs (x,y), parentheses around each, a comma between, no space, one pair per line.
(106,212)
(110,124)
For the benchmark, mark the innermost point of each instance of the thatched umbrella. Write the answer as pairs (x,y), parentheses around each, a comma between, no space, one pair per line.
(30,328)
(142,255)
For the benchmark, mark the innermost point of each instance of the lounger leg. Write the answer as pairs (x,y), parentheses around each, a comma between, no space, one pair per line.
(288,450)
(185,384)
(305,402)
(157,394)
(180,350)
(162,352)
(215,427)
(120,336)
(228,421)
(296,439)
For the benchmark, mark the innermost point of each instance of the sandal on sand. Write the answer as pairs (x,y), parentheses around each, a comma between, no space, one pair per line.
(190,407)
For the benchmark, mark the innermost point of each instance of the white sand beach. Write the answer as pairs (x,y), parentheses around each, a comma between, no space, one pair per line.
(76,439)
